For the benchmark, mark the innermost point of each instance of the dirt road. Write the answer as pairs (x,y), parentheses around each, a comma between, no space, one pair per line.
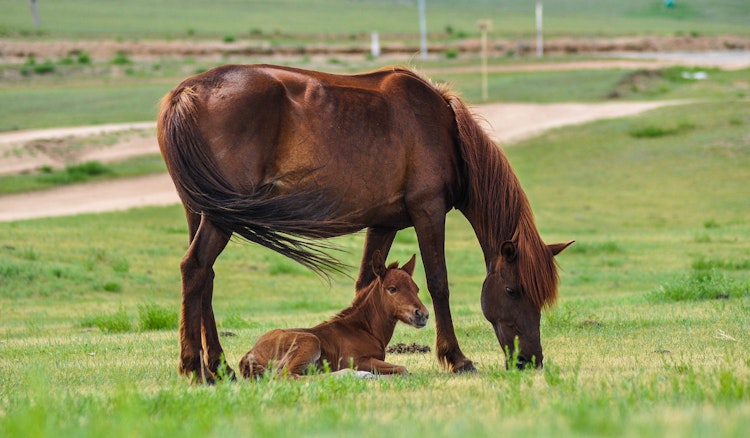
(506,123)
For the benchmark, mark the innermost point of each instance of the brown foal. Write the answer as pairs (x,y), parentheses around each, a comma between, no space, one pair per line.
(355,338)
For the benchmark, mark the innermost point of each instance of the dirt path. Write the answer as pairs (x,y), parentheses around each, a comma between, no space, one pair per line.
(506,123)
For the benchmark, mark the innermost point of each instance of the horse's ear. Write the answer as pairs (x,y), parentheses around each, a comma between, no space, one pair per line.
(557,248)
(378,264)
(508,251)
(409,266)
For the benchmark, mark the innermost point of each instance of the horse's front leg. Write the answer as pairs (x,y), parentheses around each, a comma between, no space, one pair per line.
(377,239)
(197,291)
(430,230)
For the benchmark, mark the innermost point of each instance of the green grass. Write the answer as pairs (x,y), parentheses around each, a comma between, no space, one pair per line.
(282,20)
(648,213)
(91,171)
(52,104)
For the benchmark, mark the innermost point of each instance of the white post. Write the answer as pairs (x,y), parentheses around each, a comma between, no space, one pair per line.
(35,13)
(484,27)
(423,29)
(539,37)
(375,45)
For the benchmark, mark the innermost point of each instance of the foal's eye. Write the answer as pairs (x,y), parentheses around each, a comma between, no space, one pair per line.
(392,290)
(512,292)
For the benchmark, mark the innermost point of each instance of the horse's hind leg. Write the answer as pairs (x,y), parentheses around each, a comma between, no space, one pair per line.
(377,239)
(197,325)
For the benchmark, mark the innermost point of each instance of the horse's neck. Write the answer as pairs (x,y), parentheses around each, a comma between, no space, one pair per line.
(495,204)
(488,250)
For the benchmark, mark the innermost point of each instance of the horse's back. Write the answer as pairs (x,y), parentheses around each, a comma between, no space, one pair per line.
(372,139)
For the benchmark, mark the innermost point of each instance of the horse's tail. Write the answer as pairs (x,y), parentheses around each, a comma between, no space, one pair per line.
(284,223)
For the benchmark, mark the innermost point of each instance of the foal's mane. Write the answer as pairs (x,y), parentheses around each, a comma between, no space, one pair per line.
(362,295)
(499,208)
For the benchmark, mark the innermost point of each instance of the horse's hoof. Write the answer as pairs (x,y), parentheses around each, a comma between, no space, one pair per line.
(468,367)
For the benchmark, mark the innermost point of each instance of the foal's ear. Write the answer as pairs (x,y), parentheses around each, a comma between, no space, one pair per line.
(557,248)
(409,266)
(378,264)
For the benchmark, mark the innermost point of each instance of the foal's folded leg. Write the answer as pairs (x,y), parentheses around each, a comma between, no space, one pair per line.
(281,352)
(381,367)
(303,350)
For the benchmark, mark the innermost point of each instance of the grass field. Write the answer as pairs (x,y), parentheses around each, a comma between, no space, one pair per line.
(650,337)
(288,19)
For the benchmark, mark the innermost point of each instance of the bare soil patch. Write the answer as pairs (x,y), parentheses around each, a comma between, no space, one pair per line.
(106,49)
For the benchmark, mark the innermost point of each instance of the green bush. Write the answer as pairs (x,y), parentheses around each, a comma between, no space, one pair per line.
(121,58)
(118,322)
(83,58)
(77,173)
(155,317)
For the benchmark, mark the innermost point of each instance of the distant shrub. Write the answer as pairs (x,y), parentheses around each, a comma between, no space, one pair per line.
(709,224)
(229,38)
(118,322)
(451,53)
(700,285)
(83,58)
(155,317)
(112,286)
(44,68)
(653,131)
(121,58)
(79,172)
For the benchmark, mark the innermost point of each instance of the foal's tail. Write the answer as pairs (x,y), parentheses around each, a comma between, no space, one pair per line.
(283,223)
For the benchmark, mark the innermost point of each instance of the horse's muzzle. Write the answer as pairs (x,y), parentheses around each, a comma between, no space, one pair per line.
(523,363)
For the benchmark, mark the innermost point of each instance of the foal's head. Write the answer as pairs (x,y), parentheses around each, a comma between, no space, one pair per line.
(398,292)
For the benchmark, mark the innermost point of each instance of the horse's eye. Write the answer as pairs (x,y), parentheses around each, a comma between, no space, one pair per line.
(392,290)
(512,292)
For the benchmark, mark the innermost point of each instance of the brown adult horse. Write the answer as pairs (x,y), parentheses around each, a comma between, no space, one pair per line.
(355,338)
(280,155)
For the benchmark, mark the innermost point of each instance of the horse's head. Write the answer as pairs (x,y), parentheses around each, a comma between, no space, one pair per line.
(512,309)
(399,292)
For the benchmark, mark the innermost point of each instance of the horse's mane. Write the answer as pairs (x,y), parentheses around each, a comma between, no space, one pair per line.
(499,207)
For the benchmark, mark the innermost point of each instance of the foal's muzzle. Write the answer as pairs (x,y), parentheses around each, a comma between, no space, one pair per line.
(419,318)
